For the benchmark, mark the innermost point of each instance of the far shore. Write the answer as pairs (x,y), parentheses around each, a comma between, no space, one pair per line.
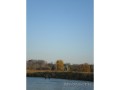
(71,75)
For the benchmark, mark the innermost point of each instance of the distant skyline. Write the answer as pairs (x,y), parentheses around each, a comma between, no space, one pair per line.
(60,29)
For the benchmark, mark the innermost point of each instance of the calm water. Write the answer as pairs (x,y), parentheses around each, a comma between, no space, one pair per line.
(57,84)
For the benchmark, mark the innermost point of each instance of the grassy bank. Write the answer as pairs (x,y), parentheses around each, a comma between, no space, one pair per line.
(63,75)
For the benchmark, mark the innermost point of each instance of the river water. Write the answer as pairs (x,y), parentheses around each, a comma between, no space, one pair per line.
(34,83)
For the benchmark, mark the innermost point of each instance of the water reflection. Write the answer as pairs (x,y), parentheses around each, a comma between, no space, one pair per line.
(57,84)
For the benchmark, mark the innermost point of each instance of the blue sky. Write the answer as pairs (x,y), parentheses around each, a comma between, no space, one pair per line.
(60,29)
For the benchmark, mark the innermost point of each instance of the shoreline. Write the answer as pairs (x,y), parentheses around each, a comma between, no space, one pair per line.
(84,76)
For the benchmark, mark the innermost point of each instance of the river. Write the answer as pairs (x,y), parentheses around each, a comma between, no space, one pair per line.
(34,83)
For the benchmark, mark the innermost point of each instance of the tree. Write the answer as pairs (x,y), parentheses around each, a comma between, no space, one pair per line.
(92,68)
(60,65)
(84,68)
(53,67)
(37,65)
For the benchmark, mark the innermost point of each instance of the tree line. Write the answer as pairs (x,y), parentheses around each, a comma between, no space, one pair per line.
(59,65)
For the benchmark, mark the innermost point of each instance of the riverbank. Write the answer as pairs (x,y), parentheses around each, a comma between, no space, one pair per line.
(63,75)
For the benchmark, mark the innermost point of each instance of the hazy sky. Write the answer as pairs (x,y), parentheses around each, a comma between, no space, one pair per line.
(60,29)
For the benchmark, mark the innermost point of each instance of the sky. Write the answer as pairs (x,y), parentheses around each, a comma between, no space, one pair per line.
(60,29)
